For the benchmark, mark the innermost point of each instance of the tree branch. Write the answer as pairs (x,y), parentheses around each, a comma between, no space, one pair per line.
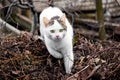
(3,23)
(16,31)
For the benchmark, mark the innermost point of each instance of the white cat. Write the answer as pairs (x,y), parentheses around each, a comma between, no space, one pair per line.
(57,34)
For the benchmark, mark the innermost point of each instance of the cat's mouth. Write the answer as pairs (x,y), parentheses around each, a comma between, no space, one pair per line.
(58,38)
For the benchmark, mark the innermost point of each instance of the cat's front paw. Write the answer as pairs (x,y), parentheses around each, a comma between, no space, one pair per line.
(58,55)
(68,71)
(41,38)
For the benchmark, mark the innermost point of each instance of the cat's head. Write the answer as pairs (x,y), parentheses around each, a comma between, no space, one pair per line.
(55,28)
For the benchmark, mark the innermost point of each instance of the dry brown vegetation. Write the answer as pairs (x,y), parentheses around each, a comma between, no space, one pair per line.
(23,58)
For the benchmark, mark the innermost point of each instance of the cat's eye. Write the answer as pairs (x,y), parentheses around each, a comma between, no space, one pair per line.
(61,30)
(52,31)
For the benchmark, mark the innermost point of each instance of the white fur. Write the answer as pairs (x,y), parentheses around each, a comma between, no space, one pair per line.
(62,48)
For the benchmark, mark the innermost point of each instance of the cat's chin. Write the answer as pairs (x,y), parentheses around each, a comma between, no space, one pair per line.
(57,40)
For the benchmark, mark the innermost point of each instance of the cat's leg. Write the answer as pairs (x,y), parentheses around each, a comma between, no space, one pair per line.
(68,61)
(54,53)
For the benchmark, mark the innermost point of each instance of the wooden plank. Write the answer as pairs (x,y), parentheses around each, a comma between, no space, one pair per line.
(23,21)
(39,5)
(95,22)
(68,4)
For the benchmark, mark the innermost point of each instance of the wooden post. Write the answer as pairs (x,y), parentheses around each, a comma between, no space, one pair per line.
(100,19)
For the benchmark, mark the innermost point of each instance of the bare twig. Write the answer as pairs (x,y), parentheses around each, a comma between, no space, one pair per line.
(25,5)
(16,31)
(10,9)
(93,71)
(51,2)
(107,49)
(34,14)
(117,2)
(2,22)
(113,72)
(76,75)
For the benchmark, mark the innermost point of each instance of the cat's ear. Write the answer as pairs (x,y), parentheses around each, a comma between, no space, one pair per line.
(62,21)
(45,21)
(63,18)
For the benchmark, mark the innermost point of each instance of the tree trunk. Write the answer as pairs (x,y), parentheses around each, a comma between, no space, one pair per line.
(100,19)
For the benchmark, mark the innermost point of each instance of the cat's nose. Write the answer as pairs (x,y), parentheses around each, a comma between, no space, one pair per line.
(57,36)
